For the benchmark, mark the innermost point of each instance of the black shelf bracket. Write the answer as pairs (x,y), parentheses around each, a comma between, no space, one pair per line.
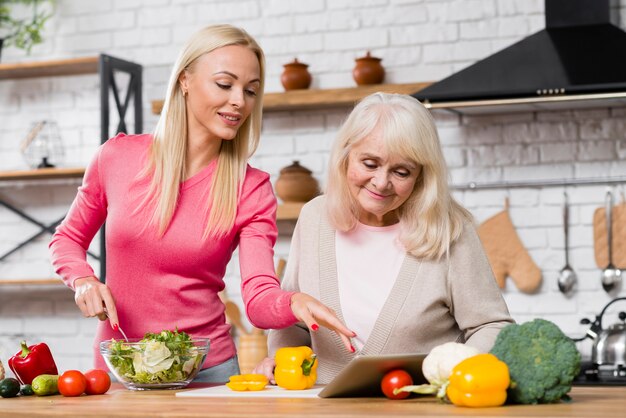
(108,68)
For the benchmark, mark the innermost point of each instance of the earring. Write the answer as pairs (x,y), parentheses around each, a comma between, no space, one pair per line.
(184,93)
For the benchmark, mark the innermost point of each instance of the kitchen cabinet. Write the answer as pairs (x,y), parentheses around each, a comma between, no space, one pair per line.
(107,67)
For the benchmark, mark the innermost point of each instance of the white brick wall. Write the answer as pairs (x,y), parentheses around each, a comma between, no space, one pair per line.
(419,40)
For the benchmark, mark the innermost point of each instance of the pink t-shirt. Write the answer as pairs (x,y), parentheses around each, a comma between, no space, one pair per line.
(369,259)
(171,281)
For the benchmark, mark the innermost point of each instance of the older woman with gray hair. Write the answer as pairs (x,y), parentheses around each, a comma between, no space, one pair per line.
(388,248)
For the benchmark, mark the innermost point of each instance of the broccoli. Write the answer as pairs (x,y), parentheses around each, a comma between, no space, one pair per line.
(542,361)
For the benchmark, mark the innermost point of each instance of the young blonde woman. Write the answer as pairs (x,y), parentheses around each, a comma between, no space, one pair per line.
(387,247)
(177,203)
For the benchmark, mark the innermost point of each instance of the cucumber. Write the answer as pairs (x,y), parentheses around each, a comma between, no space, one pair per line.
(9,387)
(26,390)
(45,384)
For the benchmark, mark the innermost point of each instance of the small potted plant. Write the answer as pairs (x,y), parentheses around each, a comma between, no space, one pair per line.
(22,21)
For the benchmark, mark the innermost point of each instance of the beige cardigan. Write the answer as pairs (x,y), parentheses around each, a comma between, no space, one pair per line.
(455,299)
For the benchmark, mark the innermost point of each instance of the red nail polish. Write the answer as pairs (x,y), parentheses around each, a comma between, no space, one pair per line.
(115,327)
(352,349)
(315,327)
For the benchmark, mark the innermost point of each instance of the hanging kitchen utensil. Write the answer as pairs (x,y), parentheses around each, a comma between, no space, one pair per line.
(611,276)
(567,277)
(618,234)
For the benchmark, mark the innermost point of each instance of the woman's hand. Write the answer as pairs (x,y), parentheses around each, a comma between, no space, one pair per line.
(93,297)
(266,367)
(313,312)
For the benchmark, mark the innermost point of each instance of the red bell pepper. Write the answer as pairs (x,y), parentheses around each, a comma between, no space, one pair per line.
(31,362)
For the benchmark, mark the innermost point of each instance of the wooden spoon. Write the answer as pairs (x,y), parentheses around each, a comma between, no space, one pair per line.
(234,316)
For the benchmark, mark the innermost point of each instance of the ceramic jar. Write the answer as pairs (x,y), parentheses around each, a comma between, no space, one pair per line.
(368,70)
(295,76)
(296,184)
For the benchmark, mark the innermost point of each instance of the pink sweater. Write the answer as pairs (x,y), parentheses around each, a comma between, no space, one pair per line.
(171,281)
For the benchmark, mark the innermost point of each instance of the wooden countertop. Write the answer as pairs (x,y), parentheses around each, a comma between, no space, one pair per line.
(587,402)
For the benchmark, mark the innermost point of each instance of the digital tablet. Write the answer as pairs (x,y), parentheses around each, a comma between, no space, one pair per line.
(362,376)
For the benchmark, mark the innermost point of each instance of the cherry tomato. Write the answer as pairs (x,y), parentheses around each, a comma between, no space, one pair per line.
(98,382)
(72,383)
(396,379)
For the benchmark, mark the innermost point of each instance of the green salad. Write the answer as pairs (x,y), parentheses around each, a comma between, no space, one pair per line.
(169,356)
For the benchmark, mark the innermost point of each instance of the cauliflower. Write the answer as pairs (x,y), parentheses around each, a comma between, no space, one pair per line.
(542,361)
(438,364)
(437,368)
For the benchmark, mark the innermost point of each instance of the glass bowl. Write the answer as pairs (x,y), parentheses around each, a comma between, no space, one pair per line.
(154,365)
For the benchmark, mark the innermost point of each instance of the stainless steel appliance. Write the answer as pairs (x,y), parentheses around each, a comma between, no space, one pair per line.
(608,355)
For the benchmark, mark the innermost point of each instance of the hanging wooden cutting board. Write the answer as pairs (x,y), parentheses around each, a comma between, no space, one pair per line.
(600,240)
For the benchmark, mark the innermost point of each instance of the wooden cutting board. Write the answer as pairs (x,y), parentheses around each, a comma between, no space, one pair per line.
(270,391)
(600,240)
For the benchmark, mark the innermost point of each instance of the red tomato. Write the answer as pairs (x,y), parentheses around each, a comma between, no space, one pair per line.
(72,383)
(98,382)
(396,379)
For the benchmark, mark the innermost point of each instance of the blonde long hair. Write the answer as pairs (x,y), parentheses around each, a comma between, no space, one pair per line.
(431,219)
(166,162)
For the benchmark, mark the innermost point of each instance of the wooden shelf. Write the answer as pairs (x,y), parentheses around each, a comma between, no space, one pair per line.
(30,281)
(320,99)
(42,174)
(288,211)
(71,66)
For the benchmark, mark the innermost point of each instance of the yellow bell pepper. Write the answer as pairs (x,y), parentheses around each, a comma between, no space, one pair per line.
(296,368)
(243,382)
(478,381)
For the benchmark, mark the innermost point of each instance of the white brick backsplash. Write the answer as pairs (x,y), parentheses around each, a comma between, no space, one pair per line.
(156,17)
(314,143)
(107,21)
(512,173)
(513,7)
(384,17)
(555,152)
(362,39)
(127,4)
(350,4)
(226,12)
(597,150)
(621,150)
(479,29)
(603,129)
(86,42)
(461,51)
(10,326)
(596,169)
(39,308)
(410,35)
(63,327)
(461,10)
(281,7)
(79,7)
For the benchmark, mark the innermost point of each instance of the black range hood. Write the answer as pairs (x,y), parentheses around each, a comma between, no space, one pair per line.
(578,61)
